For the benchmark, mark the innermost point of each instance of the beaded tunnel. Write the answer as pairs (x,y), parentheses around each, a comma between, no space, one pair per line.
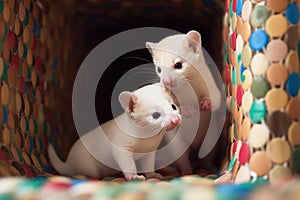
(262,75)
(43,44)
(32,83)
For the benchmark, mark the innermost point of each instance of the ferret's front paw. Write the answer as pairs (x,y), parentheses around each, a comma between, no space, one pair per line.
(187,111)
(135,177)
(153,175)
(205,105)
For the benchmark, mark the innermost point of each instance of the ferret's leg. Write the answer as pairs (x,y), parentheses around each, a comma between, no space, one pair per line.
(147,165)
(182,163)
(126,162)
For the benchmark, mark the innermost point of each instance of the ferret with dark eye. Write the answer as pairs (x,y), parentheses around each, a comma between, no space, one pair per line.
(131,138)
(179,63)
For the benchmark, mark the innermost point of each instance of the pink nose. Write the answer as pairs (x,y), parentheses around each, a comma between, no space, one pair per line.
(167,81)
(175,121)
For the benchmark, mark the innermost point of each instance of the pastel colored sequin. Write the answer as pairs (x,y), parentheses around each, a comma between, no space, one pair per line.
(259,87)
(259,16)
(292,13)
(276,25)
(258,40)
(258,111)
(293,84)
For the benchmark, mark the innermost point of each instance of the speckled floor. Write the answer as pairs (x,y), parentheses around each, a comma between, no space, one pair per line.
(186,187)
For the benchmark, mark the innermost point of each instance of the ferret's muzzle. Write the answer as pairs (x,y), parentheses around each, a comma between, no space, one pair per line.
(172,121)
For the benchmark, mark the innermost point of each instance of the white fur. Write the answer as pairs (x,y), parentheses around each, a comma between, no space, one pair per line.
(122,142)
(186,48)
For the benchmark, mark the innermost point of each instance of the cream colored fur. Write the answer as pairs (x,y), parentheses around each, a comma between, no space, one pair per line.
(128,142)
(186,49)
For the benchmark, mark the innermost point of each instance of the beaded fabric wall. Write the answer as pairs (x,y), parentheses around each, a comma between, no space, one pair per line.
(262,77)
(33,65)
(42,44)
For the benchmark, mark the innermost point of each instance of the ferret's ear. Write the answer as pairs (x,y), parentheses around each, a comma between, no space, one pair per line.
(193,41)
(127,101)
(151,46)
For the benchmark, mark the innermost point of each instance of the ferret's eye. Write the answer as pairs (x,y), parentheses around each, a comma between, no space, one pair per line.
(156,115)
(158,70)
(178,65)
(174,106)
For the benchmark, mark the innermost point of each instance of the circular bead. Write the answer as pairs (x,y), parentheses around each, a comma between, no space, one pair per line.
(247,101)
(246,31)
(277,74)
(243,175)
(246,55)
(19,103)
(258,136)
(279,173)
(292,61)
(242,69)
(259,87)
(293,84)
(259,64)
(276,99)
(260,163)
(12,40)
(233,77)
(276,25)
(18,28)
(278,150)
(293,133)
(245,128)
(4,94)
(233,40)
(239,44)
(239,6)
(239,25)
(247,79)
(277,6)
(277,50)
(6,12)
(239,94)
(257,111)
(15,62)
(246,10)
(291,37)
(5,115)
(259,15)
(292,13)
(278,123)
(244,154)
(258,40)
(293,108)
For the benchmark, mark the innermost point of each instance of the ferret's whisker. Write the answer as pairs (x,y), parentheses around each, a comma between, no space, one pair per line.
(138,58)
(145,74)
(143,69)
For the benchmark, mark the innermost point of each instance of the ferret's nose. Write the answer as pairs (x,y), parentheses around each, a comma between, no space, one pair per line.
(167,81)
(175,120)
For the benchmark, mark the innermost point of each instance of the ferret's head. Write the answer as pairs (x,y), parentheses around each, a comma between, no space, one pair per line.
(152,107)
(173,56)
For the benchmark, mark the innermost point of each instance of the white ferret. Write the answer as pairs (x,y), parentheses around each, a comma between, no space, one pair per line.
(126,141)
(180,63)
